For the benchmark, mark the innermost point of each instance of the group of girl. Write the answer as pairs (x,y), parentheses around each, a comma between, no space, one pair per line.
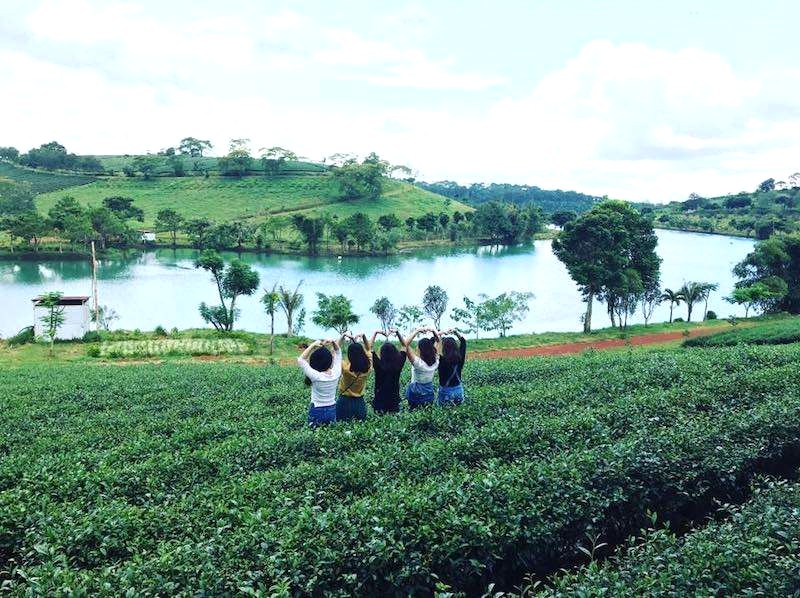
(337,388)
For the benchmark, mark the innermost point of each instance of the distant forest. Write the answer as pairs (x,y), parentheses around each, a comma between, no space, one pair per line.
(549,201)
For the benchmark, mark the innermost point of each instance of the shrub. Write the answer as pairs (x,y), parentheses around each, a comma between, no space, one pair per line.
(711,315)
(23,337)
(165,347)
(92,336)
(160,331)
(679,319)
(93,351)
(782,332)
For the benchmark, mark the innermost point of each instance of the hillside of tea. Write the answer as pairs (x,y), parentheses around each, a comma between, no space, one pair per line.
(182,479)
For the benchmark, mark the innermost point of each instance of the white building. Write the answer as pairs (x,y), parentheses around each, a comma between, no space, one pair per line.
(148,236)
(76,317)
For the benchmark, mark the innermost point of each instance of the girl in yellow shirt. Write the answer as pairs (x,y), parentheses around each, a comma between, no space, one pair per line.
(355,371)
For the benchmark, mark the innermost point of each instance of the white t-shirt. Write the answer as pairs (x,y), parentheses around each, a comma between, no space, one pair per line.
(323,384)
(422,372)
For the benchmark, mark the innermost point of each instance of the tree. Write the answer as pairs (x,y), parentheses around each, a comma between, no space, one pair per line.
(768,185)
(363,181)
(691,293)
(238,160)
(427,222)
(502,311)
(197,229)
(471,317)
(54,317)
(334,311)
(169,220)
(410,222)
(311,229)
(191,146)
(342,233)
(787,201)
(385,312)
(235,280)
(502,223)
(434,304)
(29,226)
(756,294)
(361,228)
(776,263)
(104,316)
(674,298)
(273,159)
(389,221)
(123,207)
(409,317)
(443,220)
(562,217)
(148,165)
(176,164)
(707,288)
(108,226)
(9,153)
(603,249)
(271,301)
(290,301)
(650,299)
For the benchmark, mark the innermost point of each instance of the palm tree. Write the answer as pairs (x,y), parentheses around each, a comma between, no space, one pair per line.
(674,298)
(708,288)
(289,302)
(691,293)
(271,300)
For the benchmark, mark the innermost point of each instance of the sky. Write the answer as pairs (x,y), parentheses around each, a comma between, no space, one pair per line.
(639,100)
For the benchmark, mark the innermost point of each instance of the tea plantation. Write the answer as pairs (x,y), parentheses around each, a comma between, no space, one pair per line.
(203,480)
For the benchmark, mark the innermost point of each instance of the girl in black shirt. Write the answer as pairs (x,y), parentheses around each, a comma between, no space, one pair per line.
(451,390)
(388,366)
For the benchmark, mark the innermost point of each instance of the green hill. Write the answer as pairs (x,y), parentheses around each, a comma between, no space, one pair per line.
(42,181)
(757,214)
(252,198)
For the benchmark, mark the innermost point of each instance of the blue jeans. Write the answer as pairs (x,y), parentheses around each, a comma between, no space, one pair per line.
(419,394)
(321,416)
(451,395)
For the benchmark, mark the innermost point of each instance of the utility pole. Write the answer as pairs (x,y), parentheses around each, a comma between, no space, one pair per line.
(94,290)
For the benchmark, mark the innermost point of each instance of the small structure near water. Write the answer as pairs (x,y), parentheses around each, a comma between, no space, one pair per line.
(76,317)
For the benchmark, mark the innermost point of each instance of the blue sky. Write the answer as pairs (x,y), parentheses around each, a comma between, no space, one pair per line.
(638,100)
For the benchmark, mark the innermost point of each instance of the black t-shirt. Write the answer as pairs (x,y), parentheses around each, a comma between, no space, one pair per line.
(450,373)
(387,383)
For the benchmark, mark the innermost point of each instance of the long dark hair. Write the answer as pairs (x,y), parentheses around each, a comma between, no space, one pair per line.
(320,360)
(450,353)
(357,356)
(391,358)
(427,350)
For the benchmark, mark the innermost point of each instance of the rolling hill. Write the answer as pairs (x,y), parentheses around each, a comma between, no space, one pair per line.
(251,198)
(42,181)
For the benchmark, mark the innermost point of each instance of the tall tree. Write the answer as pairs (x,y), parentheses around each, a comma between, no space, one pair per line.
(148,165)
(776,263)
(756,294)
(169,220)
(334,311)
(271,301)
(311,229)
(500,313)
(603,249)
(434,303)
(54,317)
(273,159)
(385,311)
(674,298)
(198,229)
(237,161)
(232,282)
(471,317)
(363,181)
(191,146)
(123,207)
(290,301)
(691,293)
(361,229)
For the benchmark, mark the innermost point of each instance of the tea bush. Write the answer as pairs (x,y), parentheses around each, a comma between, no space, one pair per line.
(781,332)
(203,479)
(752,552)
(163,347)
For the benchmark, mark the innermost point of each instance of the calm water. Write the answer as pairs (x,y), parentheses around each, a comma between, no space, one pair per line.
(163,288)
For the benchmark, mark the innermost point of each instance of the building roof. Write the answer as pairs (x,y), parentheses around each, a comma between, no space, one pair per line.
(66,300)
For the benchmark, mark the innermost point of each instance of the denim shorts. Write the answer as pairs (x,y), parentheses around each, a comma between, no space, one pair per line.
(321,416)
(451,395)
(419,394)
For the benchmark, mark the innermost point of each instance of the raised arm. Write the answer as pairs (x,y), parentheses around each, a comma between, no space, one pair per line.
(368,343)
(399,337)
(371,342)
(437,340)
(310,349)
(407,344)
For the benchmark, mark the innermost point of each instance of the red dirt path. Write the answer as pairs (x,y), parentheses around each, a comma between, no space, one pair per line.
(612,343)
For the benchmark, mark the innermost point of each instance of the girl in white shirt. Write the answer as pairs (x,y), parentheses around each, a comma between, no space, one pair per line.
(423,367)
(322,370)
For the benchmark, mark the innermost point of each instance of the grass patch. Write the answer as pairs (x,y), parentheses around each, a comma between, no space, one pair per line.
(42,181)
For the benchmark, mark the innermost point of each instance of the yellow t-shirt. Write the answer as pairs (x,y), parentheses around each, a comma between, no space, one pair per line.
(352,384)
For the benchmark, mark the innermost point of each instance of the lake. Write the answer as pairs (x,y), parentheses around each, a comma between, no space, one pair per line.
(162,287)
